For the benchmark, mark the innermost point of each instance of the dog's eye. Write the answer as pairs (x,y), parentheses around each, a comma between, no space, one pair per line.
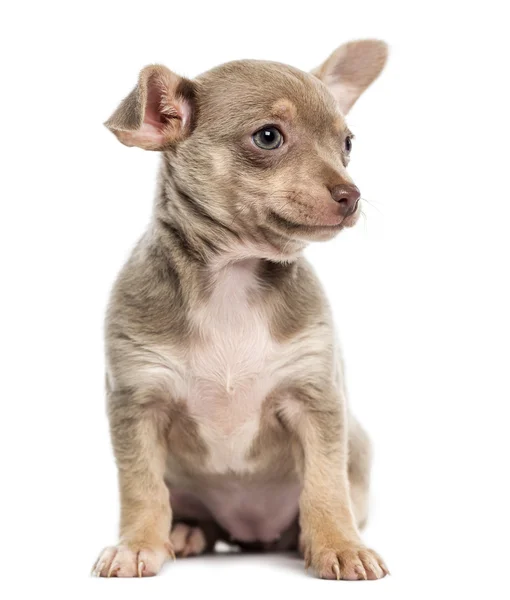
(268,138)
(348,144)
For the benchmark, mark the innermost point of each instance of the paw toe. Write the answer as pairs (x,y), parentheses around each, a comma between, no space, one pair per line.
(187,540)
(351,563)
(124,561)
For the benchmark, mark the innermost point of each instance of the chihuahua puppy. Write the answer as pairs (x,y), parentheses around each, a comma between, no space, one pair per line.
(226,396)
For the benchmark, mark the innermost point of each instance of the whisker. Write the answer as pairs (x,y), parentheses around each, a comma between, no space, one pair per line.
(372,205)
(365,219)
(371,201)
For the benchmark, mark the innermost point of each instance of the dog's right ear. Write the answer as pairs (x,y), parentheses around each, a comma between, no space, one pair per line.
(157,113)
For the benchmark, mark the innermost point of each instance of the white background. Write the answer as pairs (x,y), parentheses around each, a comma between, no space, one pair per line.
(420,291)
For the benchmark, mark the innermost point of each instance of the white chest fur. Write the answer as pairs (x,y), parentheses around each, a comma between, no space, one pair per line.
(229,375)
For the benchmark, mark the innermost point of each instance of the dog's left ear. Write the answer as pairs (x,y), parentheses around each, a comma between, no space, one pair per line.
(351,69)
(157,113)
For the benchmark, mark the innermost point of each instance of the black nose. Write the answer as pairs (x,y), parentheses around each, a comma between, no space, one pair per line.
(347,195)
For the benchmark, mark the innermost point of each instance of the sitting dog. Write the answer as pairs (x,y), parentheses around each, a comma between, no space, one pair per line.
(226,396)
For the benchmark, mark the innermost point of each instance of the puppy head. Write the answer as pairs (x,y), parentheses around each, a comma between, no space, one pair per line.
(258,147)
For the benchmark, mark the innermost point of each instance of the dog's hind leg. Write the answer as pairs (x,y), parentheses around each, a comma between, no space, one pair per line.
(191,539)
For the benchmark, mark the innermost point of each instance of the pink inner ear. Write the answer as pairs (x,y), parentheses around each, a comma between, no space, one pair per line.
(166,115)
(159,111)
(153,111)
(152,130)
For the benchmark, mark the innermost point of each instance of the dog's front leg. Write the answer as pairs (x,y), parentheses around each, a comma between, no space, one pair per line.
(330,538)
(138,430)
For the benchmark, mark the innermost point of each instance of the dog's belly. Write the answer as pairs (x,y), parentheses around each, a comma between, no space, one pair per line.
(249,512)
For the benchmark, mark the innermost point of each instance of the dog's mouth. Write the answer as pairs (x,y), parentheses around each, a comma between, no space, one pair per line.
(317,230)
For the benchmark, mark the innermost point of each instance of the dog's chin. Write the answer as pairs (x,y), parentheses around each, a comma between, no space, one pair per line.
(318,233)
(309,233)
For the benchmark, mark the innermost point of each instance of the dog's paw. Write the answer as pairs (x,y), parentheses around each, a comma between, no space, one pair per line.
(187,540)
(131,561)
(350,562)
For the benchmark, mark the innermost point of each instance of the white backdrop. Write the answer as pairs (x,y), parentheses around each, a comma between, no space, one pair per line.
(420,290)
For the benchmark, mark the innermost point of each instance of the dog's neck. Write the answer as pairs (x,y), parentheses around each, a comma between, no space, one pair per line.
(199,241)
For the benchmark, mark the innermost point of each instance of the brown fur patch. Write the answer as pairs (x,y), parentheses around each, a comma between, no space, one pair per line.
(284,109)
